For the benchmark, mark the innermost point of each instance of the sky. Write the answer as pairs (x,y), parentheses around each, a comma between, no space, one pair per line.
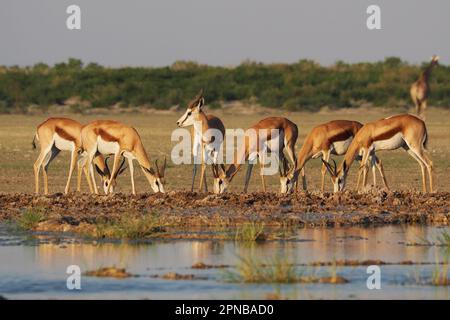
(222,32)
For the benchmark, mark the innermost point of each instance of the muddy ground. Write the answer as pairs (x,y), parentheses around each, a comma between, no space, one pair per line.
(189,210)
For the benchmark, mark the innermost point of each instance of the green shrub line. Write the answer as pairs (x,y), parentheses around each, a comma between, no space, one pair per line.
(305,85)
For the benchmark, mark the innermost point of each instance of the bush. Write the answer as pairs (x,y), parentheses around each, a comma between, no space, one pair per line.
(304,85)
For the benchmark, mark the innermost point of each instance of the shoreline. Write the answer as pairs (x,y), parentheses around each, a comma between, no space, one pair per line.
(178,214)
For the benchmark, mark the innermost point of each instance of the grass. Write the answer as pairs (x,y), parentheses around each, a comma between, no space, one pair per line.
(30,218)
(440,276)
(277,270)
(402,172)
(253,231)
(130,227)
(252,270)
(444,239)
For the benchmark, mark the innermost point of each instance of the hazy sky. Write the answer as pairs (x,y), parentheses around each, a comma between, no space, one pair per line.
(222,32)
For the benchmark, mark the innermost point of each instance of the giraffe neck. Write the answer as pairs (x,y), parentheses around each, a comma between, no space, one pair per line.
(427,72)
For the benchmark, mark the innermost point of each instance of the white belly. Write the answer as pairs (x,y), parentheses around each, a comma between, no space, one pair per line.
(107,147)
(389,144)
(340,147)
(63,144)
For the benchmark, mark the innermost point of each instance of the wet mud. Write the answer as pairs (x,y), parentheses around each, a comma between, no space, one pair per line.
(191,210)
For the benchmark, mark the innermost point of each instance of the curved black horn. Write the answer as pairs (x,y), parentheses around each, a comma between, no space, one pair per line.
(122,168)
(335,166)
(157,167)
(164,166)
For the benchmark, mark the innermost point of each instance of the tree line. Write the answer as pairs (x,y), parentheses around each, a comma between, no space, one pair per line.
(305,85)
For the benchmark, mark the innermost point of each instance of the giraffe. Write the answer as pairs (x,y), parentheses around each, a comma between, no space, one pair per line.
(421,89)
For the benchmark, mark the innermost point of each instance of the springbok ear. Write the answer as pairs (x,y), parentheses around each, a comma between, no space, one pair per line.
(200,103)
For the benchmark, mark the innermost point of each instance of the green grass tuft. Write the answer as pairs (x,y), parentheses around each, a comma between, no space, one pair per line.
(30,218)
(128,227)
(251,270)
(253,231)
(444,239)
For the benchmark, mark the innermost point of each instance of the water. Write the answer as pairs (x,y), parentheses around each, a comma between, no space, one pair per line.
(35,268)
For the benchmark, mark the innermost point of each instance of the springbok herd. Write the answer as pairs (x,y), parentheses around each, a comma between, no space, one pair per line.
(91,146)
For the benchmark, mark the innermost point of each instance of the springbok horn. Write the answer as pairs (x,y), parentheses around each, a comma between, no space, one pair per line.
(121,167)
(327,165)
(164,167)
(157,167)
(106,164)
(335,166)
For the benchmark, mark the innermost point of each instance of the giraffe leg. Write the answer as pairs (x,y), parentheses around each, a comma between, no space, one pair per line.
(423,109)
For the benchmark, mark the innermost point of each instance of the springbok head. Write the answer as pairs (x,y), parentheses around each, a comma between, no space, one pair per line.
(192,111)
(338,176)
(288,177)
(156,178)
(221,180)
(106,175)
(435,59)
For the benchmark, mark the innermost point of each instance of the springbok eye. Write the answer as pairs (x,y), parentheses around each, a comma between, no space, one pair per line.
(189,113)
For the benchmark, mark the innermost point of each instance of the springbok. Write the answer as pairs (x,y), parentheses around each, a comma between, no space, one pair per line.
(420,89)
(404,130)
(62,134)
(111,137)
(329,138)
(209,133)
(285,139)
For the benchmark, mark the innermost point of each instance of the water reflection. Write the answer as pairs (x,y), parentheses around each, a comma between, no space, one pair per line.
(27,269)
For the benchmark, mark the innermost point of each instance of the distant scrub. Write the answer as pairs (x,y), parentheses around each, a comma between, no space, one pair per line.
(304,85)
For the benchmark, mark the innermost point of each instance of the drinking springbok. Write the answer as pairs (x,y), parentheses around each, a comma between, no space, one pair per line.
(333,137)
(286,133)
(111,137)
(401,131)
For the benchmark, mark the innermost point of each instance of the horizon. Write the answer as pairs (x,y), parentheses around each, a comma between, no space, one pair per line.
(86,63)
